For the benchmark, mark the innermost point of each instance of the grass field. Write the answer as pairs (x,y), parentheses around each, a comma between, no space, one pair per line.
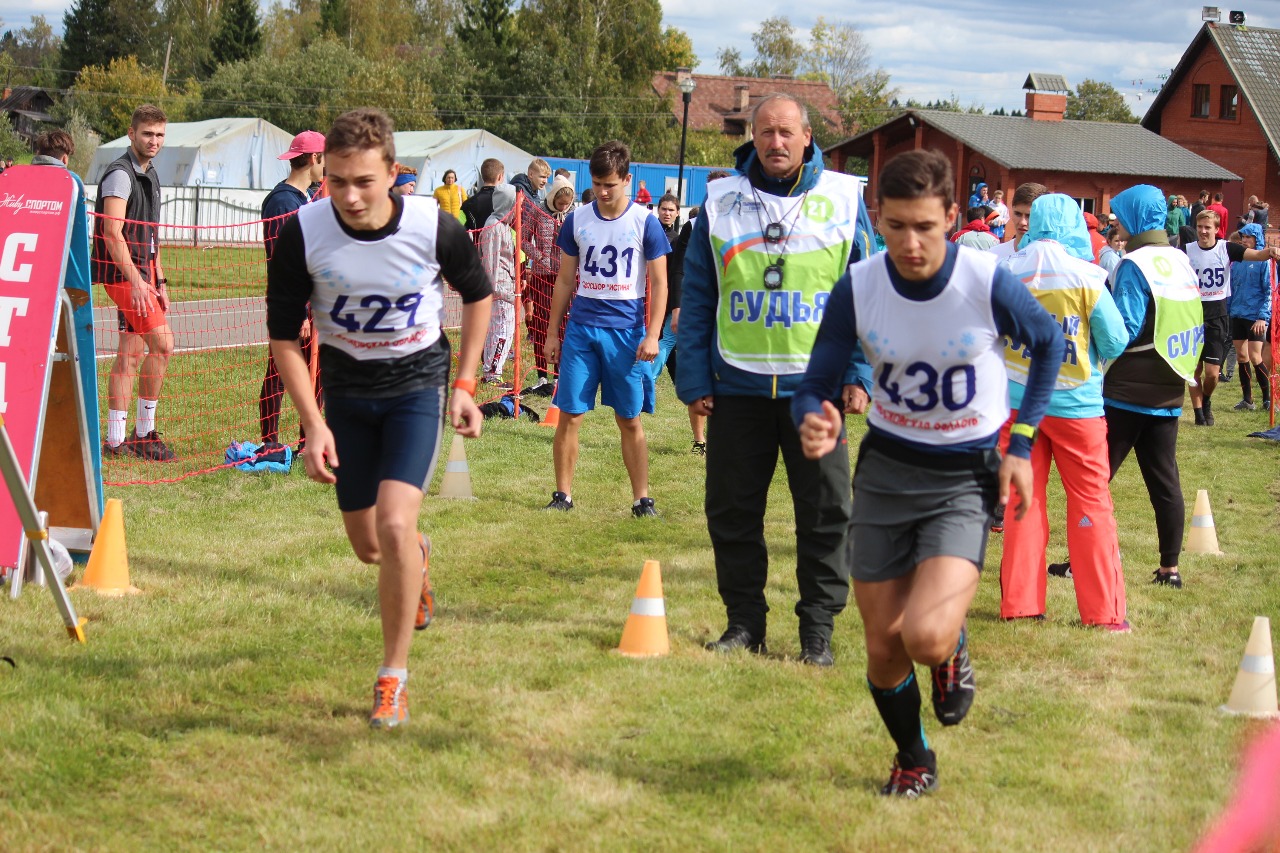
(225,707)
(213,272)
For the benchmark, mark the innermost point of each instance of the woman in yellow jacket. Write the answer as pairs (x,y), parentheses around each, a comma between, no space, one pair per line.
(449,195)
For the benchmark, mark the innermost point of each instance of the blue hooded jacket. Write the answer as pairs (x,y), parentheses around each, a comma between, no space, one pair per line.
(975,200)
(1141,211)
(1057,218)
(1251,282)
(701,370)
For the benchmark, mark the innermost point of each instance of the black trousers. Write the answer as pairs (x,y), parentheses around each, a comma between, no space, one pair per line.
(1154,440)
(744,437)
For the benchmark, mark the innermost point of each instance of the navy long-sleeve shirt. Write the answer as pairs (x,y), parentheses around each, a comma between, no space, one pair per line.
(1016,313)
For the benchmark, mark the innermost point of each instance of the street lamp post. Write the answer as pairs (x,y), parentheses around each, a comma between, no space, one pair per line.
(686,94)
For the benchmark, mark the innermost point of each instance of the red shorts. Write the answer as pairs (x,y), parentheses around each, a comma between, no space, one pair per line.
(130,320)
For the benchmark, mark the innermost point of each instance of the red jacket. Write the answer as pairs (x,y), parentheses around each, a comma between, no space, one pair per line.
(975,225)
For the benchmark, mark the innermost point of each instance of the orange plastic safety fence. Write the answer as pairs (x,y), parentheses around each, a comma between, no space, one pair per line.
(217,384)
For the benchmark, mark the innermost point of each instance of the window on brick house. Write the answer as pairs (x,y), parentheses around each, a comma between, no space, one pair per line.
(1230,102)
(1086,204)
(1200,100)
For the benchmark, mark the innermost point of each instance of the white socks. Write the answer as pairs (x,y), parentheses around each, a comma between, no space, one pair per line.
(117,423)
(146,423)
(402,674)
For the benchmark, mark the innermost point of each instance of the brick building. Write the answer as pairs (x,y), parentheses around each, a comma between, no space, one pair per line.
(1087,160)
(724,103)
(1222,101)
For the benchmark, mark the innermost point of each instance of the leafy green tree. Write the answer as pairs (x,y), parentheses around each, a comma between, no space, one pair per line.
(1094,100)
(239,34)
(838,55)
(777,49)
(107,96)
(34,51)
(97,31)
(13,145)
(489,20)
(730,61)
(869,102)
(675,51)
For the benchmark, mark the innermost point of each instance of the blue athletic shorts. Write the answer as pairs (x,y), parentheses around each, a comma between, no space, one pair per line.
(597,358)
(393,438)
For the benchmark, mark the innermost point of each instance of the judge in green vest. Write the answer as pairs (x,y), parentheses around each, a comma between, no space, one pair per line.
(768,246)
(1158,296)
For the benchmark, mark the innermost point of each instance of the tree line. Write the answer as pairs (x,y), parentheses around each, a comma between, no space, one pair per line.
(551,77)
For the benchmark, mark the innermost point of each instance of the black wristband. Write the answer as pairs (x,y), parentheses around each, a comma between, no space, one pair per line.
(161,282)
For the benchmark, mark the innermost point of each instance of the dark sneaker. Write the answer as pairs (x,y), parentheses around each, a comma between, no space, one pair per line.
(1060,570)
(1172,579)
(816,651)
(699,448)
(737,637)
(390,703)
(1208,414)
(150,447)
(1034,617)
(953,684)
(121,451)
(906,780)
(644,509)
(1199,414)
(427,601)
(1245,406)
(559,502)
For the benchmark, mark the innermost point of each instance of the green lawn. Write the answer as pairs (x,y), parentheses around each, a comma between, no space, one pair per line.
(213,272)
(225,707)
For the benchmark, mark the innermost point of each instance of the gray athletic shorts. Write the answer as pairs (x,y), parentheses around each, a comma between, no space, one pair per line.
(905,512)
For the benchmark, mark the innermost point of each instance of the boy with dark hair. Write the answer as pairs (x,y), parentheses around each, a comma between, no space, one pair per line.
(930,316)
(1020,216)
(55,145)
(373,266)
(608,246)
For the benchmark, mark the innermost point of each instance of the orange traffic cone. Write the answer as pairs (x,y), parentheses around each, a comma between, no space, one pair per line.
(108,569)
(553,411)
(456,482)
(1254,693)
(1203,538)
(645,634)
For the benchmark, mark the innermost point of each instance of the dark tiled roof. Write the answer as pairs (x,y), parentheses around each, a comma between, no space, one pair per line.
(22,97)
(1093,147)
(714,98)
(1253,55)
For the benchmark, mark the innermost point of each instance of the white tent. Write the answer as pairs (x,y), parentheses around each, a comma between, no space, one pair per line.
(434,152)
(221,152)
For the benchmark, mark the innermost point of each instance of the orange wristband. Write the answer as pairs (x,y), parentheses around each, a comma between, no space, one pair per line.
(468,385)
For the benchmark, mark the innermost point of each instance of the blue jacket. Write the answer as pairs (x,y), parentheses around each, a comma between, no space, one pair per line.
(1251,282)
(701,371)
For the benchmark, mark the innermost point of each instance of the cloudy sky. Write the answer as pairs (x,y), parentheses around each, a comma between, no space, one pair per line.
(981,52)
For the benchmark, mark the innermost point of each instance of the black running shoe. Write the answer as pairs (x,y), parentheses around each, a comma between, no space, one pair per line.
(1172,579)
(1208,413)
(559,502)
(737,637)
(150,447)
(122,450)
(907,780)
(953,684)
(644,509)
(816,651)
(1060,570)
(699,448)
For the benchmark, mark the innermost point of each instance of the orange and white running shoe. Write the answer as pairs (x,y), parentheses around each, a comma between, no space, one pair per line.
(390,703)
(427,603)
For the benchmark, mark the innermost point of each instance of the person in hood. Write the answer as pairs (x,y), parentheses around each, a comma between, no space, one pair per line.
(1096,240)
(498,253)
(1155,291)
(1055,266)
(1251,318)
(764,252)
(980,197)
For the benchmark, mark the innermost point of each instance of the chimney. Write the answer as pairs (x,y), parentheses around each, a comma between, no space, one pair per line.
(1042,106)
(7,93)
(741,97)
(683,74)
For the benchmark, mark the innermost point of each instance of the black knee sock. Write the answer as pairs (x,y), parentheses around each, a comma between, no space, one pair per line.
(1264,381)
(899,707)
(1243,371)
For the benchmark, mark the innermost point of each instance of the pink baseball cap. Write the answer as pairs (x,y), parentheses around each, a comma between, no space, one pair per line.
(307,142)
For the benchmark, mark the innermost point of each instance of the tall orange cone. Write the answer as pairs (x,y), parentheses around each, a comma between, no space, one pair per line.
(456,482)
(645,634)
(108,569)
(1254,693)
(553,411)
(1203,538)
